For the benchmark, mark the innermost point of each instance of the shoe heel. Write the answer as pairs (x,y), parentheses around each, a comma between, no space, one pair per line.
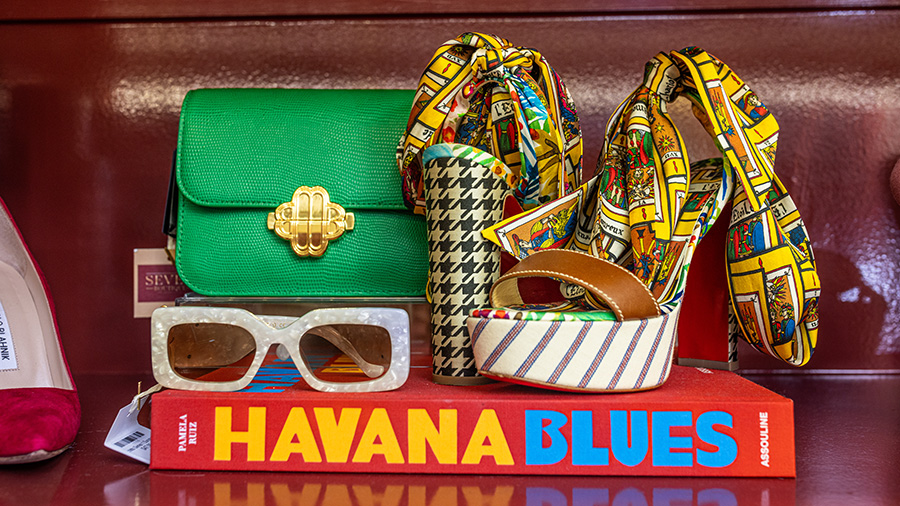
(462,198)
(704,337)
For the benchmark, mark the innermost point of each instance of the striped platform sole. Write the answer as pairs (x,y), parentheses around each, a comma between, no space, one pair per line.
(584,356)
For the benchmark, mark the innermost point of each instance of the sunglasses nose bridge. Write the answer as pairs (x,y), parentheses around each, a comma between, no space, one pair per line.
(287,338)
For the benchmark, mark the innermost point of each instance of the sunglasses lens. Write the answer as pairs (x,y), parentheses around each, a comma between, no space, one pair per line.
(214,352)
(347,353)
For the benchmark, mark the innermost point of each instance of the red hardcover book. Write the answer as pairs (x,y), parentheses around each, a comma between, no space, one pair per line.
(700,423)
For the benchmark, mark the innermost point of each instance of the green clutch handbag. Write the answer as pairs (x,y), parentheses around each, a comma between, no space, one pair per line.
(295,193)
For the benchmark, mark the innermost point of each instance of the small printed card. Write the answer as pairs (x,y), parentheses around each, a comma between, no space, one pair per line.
(156,283)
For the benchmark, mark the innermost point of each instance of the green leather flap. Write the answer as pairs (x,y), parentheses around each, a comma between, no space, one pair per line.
(254,147)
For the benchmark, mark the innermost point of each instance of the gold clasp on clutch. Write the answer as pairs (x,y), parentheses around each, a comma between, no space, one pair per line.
(310,220)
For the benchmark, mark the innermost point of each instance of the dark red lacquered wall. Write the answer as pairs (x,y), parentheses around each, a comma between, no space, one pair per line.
(90,95)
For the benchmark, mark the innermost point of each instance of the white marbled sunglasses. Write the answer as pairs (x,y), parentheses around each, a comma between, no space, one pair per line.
(336,350)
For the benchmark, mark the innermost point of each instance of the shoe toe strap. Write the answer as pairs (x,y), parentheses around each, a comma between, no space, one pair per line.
(622,291)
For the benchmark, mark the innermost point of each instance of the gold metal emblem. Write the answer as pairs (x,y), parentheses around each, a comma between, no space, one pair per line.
(310,220)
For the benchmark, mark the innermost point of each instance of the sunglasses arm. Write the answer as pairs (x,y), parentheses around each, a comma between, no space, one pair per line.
(334,337)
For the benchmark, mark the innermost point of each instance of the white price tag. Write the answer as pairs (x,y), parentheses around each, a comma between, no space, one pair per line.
(127,436)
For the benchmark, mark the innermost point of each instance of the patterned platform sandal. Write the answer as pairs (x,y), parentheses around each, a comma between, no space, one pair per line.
(647,210)
(489,119)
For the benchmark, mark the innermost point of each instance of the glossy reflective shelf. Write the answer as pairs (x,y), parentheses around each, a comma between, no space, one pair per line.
(848,453)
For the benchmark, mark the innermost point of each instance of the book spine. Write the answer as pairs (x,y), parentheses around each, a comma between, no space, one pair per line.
(587,437)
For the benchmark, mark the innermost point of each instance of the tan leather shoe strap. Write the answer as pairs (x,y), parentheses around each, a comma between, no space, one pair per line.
(625,294)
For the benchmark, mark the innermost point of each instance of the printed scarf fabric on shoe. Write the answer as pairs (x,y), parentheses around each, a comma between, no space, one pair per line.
(648,207)
(481,91)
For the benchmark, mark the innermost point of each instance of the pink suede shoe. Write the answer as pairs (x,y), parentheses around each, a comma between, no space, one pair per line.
(39,409)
